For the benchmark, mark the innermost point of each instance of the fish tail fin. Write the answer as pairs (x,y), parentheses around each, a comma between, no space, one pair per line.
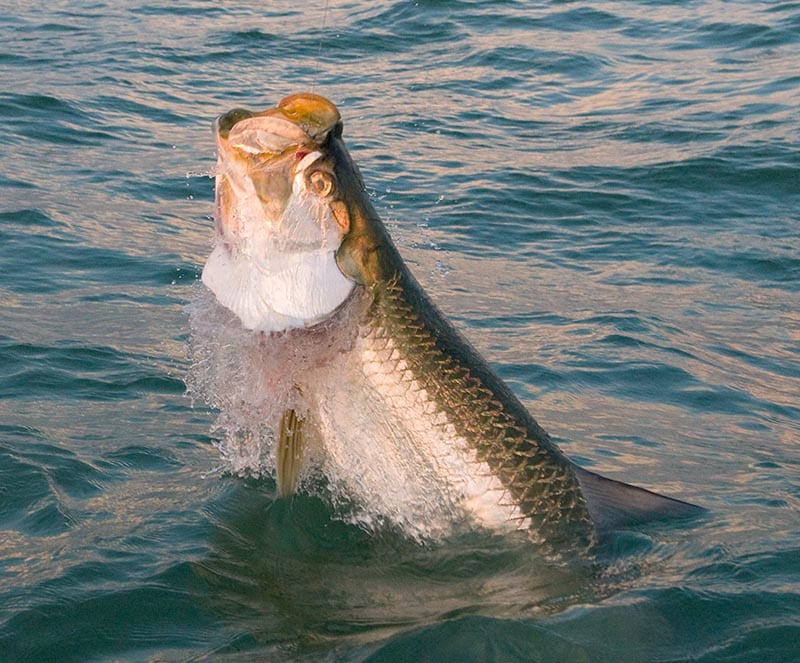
(613,504)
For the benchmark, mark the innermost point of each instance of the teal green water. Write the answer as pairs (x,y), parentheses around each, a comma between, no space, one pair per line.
(603,196)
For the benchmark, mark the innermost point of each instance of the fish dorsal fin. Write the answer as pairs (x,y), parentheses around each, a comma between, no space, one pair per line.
(289,453)
(613,504)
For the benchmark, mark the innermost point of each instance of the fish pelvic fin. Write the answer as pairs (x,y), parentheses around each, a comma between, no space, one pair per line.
(615,505)
(289,453)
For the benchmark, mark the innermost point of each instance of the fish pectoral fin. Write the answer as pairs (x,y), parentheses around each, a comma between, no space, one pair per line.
(289,453)
(613,504)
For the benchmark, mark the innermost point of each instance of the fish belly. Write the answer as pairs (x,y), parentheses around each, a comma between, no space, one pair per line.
(392,447)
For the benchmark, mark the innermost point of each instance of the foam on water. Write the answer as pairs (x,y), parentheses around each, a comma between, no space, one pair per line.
(248,380)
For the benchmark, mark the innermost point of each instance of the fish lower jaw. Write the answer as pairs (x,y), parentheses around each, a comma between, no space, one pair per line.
(294,291)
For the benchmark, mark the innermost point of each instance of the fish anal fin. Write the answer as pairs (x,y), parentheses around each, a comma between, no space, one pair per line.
(613,504)
(289,453)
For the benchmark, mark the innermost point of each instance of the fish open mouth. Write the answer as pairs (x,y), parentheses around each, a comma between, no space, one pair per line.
(278,215)
(263,153)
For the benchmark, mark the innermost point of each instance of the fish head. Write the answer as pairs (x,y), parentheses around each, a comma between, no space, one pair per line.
(288,198)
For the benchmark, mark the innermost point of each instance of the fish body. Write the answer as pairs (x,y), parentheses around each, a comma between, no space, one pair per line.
(400,407)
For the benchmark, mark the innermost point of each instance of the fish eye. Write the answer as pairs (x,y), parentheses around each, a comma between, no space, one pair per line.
(321,183)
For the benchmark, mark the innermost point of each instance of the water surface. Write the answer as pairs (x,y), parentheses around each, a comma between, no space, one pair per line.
(603,196)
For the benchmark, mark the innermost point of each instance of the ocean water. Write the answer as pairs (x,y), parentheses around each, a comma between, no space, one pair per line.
(603,196)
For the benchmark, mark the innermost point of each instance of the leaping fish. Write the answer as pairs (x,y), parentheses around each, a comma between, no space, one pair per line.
(301,252)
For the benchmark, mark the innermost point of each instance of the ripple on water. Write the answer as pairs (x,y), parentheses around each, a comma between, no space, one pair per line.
(614,189)
(38,482)
(85,373)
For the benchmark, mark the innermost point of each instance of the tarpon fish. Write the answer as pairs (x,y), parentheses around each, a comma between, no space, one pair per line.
(398,402)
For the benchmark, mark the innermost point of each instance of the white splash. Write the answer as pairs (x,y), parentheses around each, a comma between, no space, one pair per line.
(250,377)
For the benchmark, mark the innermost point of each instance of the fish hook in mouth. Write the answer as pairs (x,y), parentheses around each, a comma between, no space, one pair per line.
(305,159)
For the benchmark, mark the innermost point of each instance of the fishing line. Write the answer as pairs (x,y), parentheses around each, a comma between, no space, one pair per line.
(321,38)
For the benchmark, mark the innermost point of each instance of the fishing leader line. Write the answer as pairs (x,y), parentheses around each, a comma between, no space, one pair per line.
(321,39)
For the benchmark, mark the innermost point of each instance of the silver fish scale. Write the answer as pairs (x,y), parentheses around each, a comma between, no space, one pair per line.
(538,480)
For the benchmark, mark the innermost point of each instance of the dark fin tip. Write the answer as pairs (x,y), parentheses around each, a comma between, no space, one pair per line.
(614,505)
